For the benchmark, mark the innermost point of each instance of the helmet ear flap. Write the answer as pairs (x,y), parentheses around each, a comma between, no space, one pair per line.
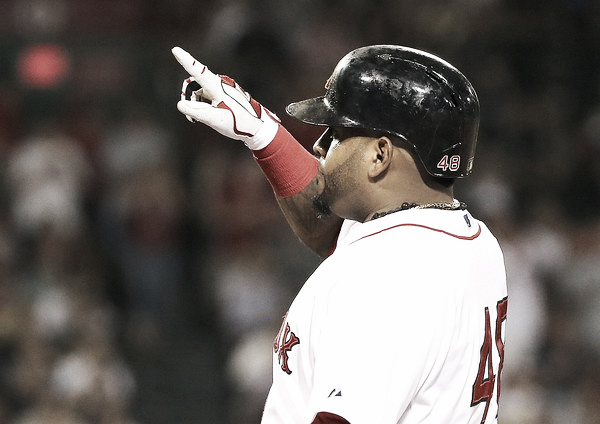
(406,92)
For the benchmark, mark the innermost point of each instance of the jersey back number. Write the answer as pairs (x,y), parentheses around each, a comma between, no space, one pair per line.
(486,381)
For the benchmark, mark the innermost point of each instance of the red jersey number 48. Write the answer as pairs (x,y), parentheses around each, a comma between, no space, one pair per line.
(485,382)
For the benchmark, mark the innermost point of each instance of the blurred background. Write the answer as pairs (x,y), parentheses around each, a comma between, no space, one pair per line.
(144,265)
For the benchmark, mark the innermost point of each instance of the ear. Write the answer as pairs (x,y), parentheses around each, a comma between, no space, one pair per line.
(381,153)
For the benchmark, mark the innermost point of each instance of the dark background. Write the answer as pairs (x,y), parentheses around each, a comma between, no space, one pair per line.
(144,265)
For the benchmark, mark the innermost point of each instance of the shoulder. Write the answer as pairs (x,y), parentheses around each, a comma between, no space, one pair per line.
(413,248)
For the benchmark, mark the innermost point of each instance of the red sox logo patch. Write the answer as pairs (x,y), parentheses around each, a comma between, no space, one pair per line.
(284,342)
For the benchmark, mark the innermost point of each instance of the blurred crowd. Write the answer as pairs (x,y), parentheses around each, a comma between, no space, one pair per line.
(144,264)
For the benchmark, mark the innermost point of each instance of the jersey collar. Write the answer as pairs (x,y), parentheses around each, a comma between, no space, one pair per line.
(458,224)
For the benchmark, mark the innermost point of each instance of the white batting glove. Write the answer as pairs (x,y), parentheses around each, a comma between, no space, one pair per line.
(219,102)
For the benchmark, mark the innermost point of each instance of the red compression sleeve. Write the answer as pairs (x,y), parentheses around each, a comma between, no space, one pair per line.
(288,166)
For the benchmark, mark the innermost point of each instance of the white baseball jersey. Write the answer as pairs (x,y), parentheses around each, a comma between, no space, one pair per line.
(403,323)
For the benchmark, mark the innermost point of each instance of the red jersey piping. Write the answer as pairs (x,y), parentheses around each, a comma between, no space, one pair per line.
(473,237)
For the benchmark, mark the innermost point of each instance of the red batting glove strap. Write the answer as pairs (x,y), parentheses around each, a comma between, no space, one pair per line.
(288,166)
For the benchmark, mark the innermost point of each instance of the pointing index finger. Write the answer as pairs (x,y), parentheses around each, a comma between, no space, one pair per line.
(191,65)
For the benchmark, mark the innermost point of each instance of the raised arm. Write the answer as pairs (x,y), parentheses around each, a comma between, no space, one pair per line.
(219,102)
(292,172)
(319,233)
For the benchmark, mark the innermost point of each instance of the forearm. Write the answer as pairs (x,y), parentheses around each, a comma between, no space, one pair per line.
(292,171)
(318,232)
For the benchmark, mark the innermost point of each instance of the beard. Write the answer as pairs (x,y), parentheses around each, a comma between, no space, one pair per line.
(321,201)
(321,206)
(337,185)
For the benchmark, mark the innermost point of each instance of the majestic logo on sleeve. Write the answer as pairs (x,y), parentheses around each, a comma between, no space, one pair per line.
(284,342)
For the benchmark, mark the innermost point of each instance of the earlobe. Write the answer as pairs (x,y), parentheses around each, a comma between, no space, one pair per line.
(383,152)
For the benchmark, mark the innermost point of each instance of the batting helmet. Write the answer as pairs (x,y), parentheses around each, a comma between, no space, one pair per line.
(407,92)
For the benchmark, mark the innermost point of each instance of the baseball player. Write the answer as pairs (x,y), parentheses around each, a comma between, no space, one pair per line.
(404,320)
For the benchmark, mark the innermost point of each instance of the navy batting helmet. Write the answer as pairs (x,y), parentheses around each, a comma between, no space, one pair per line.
(407,92)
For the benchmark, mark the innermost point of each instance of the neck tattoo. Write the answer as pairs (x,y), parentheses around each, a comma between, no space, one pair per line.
(448,206)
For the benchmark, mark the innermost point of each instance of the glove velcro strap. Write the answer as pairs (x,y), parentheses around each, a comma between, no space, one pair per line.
(264,136)
(288,166)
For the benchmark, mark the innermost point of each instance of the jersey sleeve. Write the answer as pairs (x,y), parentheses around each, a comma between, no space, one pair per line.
(345,229)
(374,345)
